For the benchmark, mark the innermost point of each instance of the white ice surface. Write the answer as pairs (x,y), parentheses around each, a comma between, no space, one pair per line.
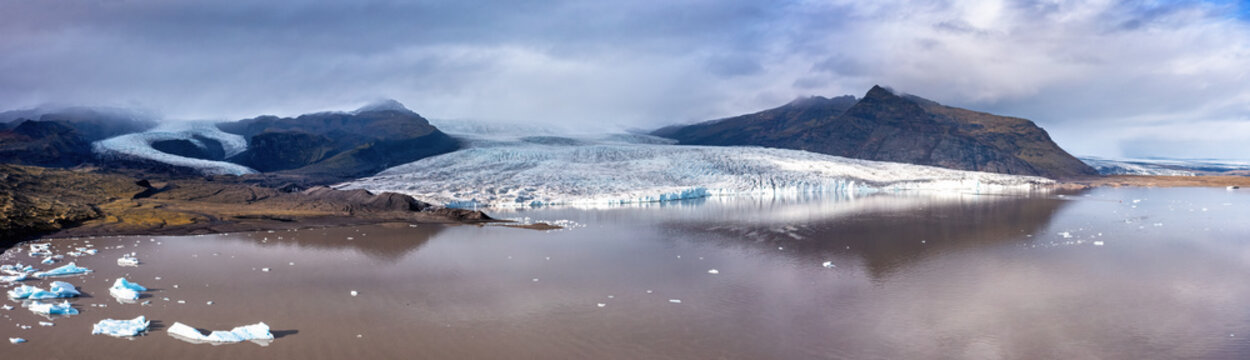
(605,171)
(128,261)
(121,328)
(254,332)
(139,146)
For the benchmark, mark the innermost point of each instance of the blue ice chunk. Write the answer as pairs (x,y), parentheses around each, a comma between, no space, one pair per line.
(121,328)
(42,308)
(257,332)
(58,289)
(65,270)
(126,290)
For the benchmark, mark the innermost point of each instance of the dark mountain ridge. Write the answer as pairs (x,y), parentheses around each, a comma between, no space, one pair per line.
(885,126)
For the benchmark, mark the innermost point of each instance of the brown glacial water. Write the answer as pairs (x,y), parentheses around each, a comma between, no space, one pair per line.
(1111,274)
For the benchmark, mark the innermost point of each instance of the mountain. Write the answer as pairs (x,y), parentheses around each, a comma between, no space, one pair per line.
(61,137)
(339,144)
(885,126)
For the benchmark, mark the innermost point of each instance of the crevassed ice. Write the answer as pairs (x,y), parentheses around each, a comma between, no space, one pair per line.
(516,174)
(139,146)
(121,328)
(254,332)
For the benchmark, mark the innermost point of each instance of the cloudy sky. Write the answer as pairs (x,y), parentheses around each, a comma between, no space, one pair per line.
(1110,78)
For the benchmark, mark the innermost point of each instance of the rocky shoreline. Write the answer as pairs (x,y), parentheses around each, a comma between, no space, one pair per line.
(44,202)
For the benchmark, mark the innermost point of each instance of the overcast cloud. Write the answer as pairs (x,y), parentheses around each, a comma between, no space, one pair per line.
(1110,78)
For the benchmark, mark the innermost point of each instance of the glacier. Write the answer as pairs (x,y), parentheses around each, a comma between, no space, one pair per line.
(258,332)
(611,170)
(138,146)
(121,328)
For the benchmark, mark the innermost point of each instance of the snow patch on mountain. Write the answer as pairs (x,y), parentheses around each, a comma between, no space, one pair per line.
(138,146)
(597,171)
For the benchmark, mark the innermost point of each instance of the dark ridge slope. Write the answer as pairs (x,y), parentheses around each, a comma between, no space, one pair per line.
(887,127)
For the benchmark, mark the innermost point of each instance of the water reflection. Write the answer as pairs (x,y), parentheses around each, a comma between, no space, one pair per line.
(886,232)
(387,243)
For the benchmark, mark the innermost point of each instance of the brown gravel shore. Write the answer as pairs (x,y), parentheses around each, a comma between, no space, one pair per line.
(1155,181)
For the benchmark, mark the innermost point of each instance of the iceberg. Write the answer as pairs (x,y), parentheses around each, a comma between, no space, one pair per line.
(42,308)
(258,332)
(58,289)
(16,340)
(13,278)
(66,270)
(128,261)
(126,290)
(121,328)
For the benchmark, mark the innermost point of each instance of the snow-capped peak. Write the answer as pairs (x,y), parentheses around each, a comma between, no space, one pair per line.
(383,105)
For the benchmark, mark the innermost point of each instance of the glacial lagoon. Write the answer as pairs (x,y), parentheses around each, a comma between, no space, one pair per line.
(1113,273)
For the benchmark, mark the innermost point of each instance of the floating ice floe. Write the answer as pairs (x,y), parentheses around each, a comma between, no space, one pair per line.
(13,278)
(37,250)
(58,289)
(17,269)
(128,260)
(65,270)
(63,308)
(675,301)
(48,261)
(828,264)
(16,340)
(6,307)
(46,323)
(713,271)
(121,328)
(258,333)
(126,290)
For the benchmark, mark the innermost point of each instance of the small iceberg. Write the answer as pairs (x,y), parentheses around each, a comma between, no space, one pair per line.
(121,328)
(17,269)
(126,290)
(128,260)
(16,340)
(58,289)
(13,278)
(258,333)
(37,250)
(65,270)
(42,308)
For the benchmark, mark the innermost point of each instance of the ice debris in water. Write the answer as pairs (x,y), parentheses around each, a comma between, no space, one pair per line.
(254,332)
(829,264)
(46,323)
(354,293)
(42,308)
(675,301)
(16,340)
(58,289)
(7,307)
(66,270)
(126,290)
(48,261)
(37,250)
(121,328)
(713,271)
(128,260)
(1098,243)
